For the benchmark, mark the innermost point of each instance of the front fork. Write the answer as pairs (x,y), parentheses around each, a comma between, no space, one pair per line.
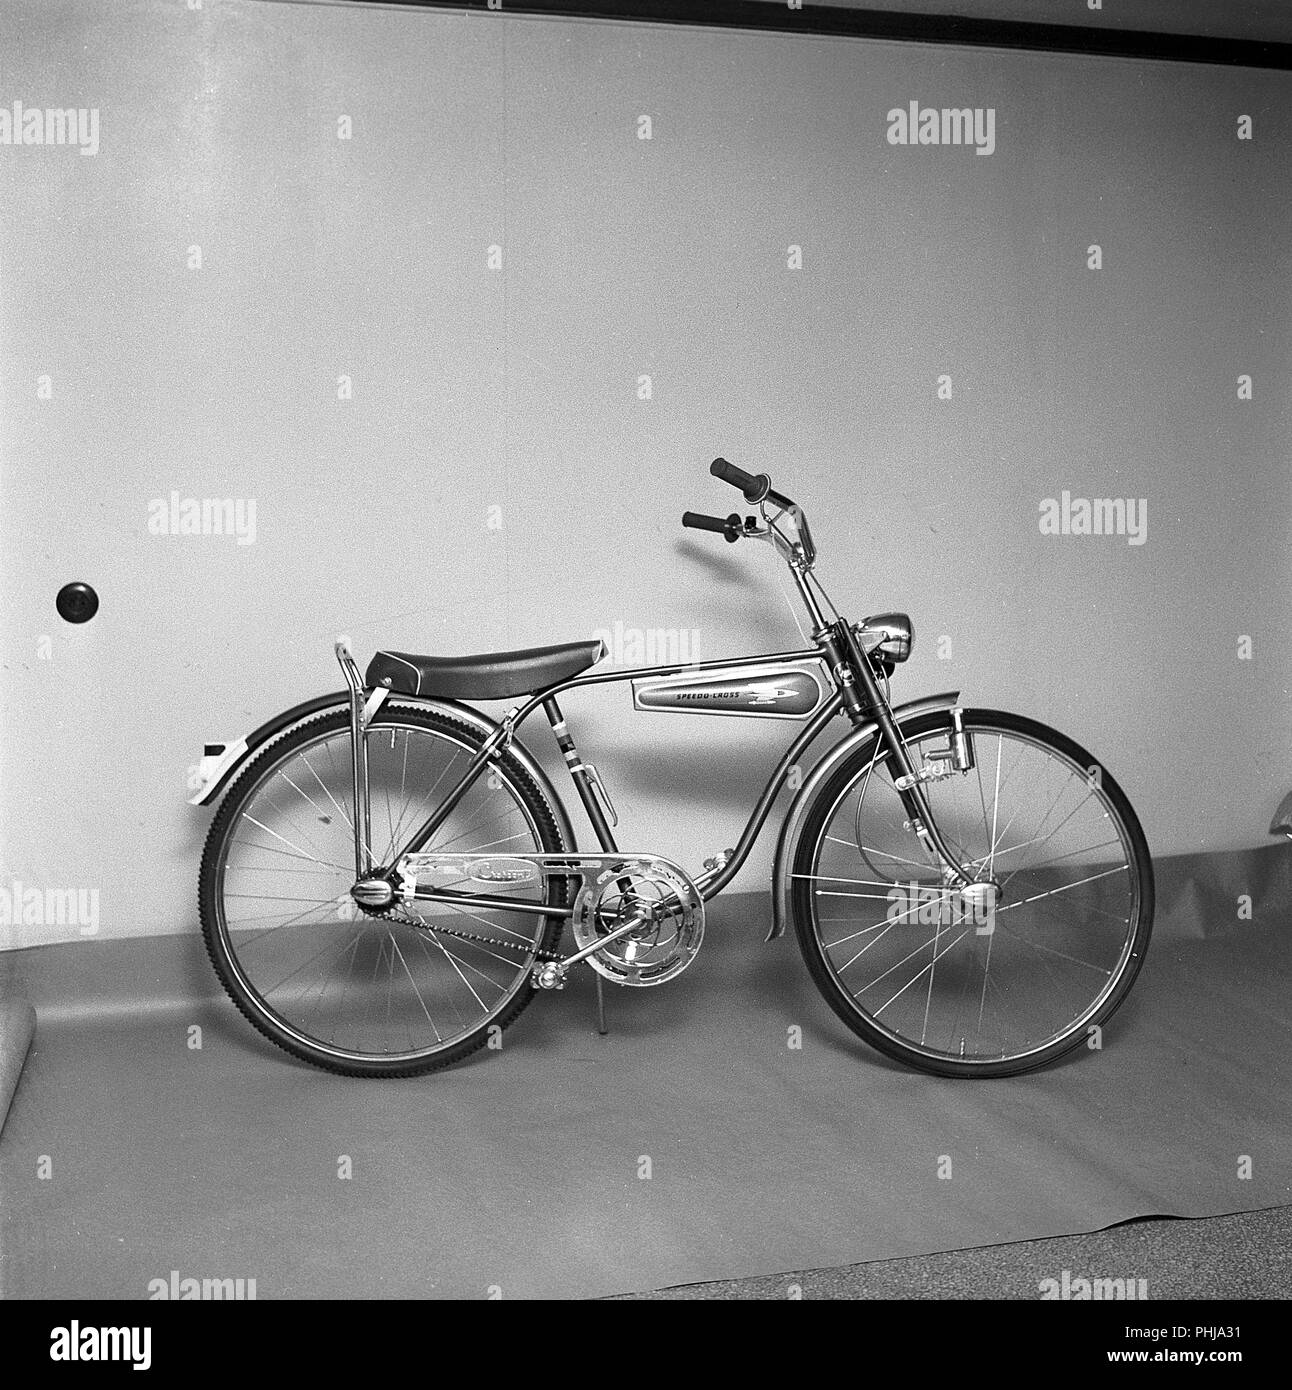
(863,701)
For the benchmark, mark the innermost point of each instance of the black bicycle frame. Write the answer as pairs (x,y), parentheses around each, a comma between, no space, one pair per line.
(856,694)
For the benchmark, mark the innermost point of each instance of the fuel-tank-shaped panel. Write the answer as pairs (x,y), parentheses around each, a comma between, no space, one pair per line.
(775,690)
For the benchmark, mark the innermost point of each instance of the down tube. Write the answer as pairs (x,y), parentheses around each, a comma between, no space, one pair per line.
(710,888)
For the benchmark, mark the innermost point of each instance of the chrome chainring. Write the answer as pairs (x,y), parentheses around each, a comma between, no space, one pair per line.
(672,927)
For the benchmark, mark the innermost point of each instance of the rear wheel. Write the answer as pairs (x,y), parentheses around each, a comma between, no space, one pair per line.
(372,995)
(941,979)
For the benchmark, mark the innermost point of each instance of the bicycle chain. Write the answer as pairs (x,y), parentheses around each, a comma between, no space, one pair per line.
(391,914)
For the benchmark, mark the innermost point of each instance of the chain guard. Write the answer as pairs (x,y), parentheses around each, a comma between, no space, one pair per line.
(611,888)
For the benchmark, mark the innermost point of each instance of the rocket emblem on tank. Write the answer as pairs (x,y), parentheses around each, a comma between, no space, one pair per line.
(781,691)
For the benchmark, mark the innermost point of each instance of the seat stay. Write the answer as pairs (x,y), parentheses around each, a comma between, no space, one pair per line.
(499,741)
(496,741)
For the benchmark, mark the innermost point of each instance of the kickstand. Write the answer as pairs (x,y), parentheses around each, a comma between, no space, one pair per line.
(601,1008)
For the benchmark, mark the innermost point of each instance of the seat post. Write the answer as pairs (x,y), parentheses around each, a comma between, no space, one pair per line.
(588,785)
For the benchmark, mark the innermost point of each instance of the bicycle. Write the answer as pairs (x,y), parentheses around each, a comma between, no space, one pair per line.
(971,891)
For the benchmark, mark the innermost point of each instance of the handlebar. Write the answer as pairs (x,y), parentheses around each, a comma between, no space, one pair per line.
(730,527)
(757,491)
(755,486)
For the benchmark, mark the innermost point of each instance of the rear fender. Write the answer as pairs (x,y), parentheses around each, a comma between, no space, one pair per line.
(787,843)
(222,762)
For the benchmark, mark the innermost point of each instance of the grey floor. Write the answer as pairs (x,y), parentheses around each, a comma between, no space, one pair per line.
(520,1169)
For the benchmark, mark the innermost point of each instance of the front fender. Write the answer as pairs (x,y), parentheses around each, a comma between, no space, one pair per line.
(782,866)
(222,761)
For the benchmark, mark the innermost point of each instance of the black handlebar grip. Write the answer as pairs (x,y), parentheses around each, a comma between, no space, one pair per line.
(754,486)
(729,527)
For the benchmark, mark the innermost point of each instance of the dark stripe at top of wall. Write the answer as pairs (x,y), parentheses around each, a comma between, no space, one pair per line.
(885,24)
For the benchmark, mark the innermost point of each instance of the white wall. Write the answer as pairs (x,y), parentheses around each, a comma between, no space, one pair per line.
(518,389)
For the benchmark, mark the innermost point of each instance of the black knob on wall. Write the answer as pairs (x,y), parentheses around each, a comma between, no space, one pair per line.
(77,602)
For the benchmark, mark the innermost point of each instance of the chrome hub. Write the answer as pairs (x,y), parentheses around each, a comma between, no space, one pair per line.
(373,893)
(982,900)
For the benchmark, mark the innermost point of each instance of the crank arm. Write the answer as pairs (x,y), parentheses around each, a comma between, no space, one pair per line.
(631,925)
(552,975)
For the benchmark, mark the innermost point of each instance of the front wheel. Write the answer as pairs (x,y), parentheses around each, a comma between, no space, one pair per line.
(960,983)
